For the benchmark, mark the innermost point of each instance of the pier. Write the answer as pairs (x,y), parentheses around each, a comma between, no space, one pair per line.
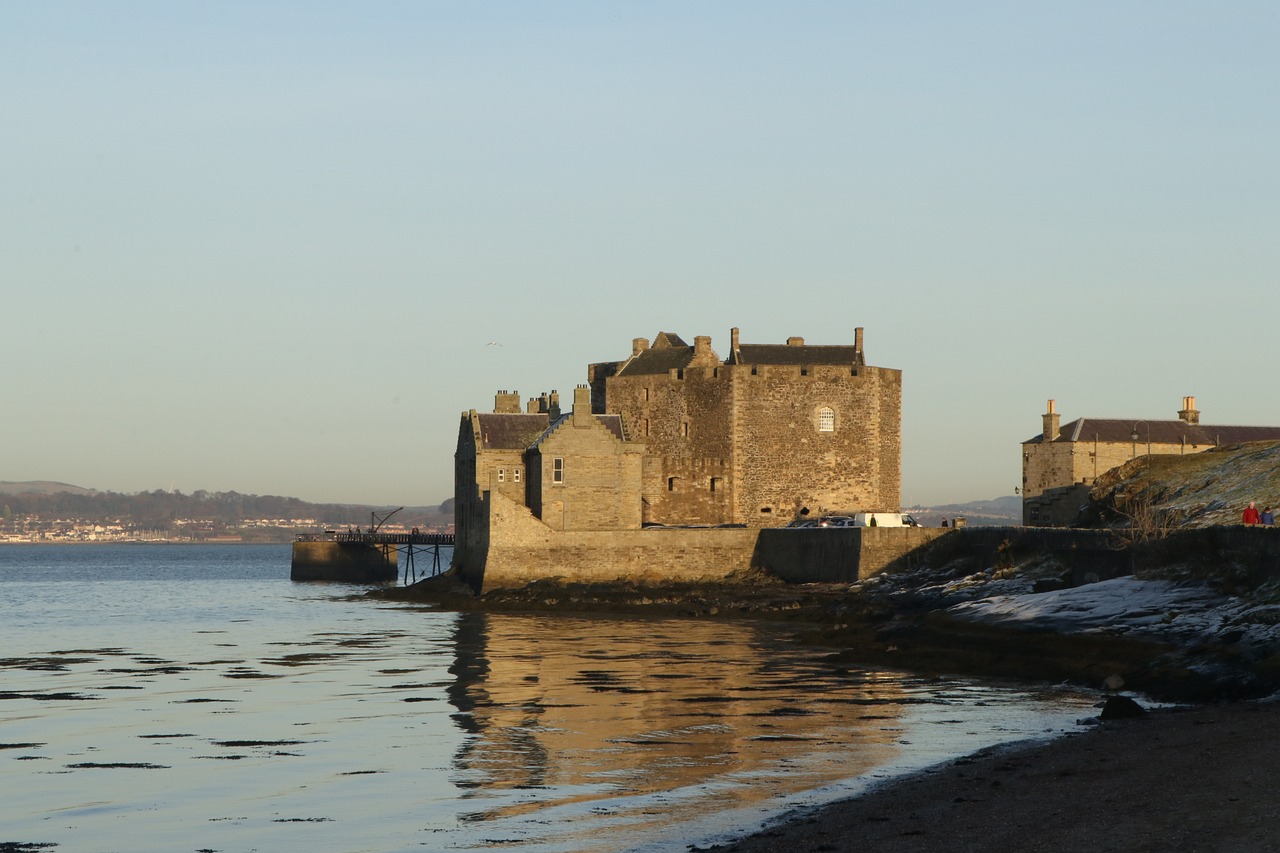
(368,557)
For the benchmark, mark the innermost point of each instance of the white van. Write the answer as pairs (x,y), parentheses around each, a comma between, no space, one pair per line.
(883,519)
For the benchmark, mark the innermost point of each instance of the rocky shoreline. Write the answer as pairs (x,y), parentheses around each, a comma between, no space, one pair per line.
(928,623)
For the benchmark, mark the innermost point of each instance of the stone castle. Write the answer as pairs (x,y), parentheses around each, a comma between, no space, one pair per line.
(674,436)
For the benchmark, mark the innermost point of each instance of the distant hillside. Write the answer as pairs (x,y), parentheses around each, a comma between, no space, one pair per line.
(999,512)
(1196,490)
(41,487)
(159,509)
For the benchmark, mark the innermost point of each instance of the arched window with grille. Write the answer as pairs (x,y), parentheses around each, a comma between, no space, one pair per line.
(826,419)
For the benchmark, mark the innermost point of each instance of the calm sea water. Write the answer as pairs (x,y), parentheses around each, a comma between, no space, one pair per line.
(191,698)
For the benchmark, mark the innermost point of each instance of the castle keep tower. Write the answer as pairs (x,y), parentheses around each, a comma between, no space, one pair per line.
(772,433)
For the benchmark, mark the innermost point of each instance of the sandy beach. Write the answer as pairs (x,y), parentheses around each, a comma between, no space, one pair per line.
(1196,779)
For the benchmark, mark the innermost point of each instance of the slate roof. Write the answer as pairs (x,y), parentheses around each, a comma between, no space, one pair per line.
(522,431)
(510,432)
(659,359)
(784,354)
(1161,432)
(613,423)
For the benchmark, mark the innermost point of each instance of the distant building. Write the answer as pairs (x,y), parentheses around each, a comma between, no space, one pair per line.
(1061,464)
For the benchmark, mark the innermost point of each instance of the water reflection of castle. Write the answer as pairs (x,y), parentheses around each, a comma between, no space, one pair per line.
(599,709)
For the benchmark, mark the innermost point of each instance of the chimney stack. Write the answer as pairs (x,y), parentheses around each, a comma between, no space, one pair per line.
(553,406)
(506,403)
(1051,419)
(703,355)
(639,345)
(582,406)
(1189,412)
(857,346)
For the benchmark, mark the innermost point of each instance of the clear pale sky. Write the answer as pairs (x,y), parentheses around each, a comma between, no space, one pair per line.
(263,247)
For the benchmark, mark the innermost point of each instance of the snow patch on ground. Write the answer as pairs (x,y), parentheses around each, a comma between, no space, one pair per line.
(1178,613)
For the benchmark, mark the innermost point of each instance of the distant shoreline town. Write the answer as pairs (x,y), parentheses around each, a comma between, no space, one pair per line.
(42,512)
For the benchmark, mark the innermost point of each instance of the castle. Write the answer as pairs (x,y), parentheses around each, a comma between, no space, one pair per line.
(1060,465)
(673,435)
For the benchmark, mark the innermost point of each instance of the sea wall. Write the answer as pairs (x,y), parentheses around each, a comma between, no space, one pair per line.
(521,549)
(343,561)
(840,554)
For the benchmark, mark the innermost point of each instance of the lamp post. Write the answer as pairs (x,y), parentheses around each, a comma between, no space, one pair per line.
(1134,437)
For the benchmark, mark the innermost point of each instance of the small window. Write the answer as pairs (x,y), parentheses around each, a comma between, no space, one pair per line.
(826,420)
(557,470)
(515,475)
(715,484)
(671,484)
(684,429)
(644,426)
(502,475)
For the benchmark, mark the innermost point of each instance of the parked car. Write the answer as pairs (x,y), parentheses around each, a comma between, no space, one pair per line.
(835,521)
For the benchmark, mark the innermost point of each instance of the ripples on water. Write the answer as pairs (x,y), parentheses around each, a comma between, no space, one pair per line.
(166,698)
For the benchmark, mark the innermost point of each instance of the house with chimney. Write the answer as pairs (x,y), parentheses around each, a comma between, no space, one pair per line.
(1060,465)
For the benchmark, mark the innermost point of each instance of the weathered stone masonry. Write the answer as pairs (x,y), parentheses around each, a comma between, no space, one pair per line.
(673,435)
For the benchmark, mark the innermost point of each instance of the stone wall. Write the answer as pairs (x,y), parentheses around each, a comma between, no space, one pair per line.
(741,443)
(784,463)
(344,562)
(840,554)
(521,549)
(599,477)
(684,419)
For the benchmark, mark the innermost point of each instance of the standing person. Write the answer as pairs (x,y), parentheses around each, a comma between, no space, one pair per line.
(1267,516)
(1251,515)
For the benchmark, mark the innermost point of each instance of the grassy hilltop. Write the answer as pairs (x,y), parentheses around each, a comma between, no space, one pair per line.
(1196,490)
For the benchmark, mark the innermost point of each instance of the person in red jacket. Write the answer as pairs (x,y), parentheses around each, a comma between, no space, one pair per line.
(1251,515)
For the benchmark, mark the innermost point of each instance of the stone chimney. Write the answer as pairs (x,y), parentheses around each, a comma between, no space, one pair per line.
(582,406)
(703,355)
(733,340)
(639,345)
(857,346)
(553,405)
(1189,412)
(795,342)
(506,403)
(1051,419)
